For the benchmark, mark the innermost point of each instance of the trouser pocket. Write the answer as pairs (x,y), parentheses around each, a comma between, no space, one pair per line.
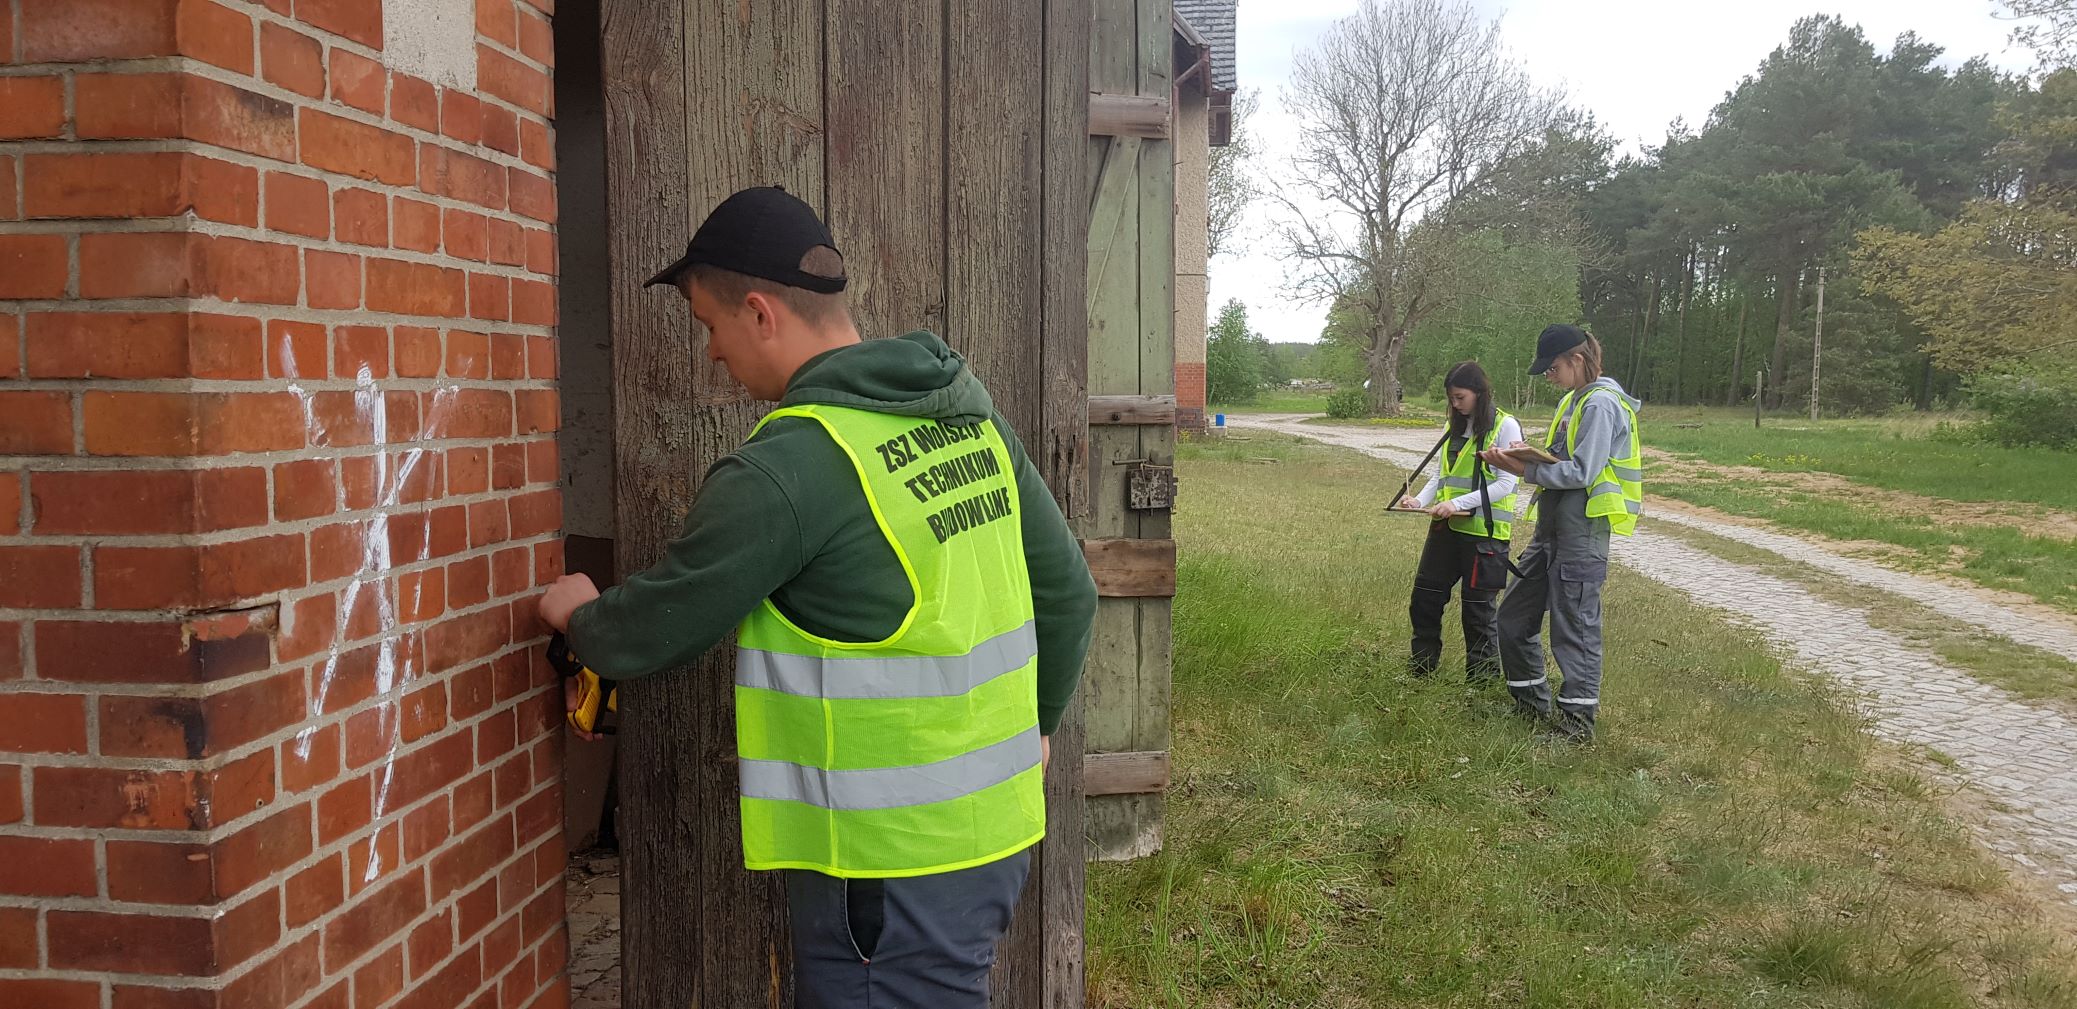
(1488,566)
(865,915)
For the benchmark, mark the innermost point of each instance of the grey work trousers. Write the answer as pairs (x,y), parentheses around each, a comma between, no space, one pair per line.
(1561,574)
(920,942)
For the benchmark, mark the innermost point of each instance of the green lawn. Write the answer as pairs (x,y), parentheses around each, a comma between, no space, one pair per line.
(1341,835)
(1276,401)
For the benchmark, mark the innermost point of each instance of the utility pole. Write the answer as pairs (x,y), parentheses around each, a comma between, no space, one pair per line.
(1817,345)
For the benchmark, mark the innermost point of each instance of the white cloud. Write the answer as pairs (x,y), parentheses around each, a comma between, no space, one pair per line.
(1637,64)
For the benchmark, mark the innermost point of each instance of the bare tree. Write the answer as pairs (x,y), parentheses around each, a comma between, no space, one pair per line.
(1230,182)
(2049,28)
(1401,107)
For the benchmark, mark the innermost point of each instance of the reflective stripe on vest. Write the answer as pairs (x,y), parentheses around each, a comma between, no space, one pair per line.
(1617,493)
(1460,477)
(917,754)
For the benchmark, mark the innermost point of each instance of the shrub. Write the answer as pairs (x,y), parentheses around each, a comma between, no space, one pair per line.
(1348,402)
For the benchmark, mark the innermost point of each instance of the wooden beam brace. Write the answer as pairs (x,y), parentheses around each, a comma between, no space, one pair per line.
(1132,568)
(1132,410)
(1128,116)
(1125,773)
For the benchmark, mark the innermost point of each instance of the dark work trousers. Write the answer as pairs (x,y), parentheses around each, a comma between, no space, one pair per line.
(1561,575)
(1447,558)
(921,942)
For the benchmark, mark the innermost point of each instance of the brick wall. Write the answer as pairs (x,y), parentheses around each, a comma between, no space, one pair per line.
(277,487)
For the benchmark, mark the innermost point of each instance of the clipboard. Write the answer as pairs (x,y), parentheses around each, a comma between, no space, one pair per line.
(1530,453)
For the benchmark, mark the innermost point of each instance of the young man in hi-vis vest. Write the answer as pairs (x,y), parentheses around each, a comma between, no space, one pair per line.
(911,614)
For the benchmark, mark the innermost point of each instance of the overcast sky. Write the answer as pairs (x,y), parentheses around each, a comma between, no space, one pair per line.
(1637,64)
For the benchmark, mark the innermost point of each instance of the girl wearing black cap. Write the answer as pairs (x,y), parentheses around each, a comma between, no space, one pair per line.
(1594,489)
(1472,505)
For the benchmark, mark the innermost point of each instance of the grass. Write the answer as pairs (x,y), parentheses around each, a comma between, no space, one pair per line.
(2029,672)
(1277,401)
(1341,835)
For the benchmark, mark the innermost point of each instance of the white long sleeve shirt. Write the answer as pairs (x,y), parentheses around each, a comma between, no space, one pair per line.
(1501,485)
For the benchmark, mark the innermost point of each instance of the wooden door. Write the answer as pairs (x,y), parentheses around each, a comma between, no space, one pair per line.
(943,143)
(1131,424)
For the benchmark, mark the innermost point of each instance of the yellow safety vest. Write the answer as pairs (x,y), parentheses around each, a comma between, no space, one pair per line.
(920,753)
(1460,477)
(1617,492)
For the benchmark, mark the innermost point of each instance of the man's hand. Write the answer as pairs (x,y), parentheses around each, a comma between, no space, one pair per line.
(571,697)
(563,598)
(1443,512)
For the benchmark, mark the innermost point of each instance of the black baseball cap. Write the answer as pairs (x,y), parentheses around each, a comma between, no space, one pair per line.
(764,233)
(1553,341)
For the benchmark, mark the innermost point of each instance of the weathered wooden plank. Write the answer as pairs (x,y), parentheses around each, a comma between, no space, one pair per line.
(1128,116)
(994,271)
(1132,568)
(886,159)
(1125,773)
(1132,409)
(661,798)
(1065,335)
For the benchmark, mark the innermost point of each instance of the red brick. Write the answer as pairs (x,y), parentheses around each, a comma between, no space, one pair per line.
(400,412)
(140,423)
(361,217)
(215,34)
(281,980)
(470,413)
(468,470)
(10,208)
(533,303)
(253,711)
(314,892)
(333,280)
(96,30)
(358,349)
(381,980)
(298,205)
(473,804)
(466,638)
(311,622)
(10,524)
(430,943)
(37,577)
(498,20)
(468,356)
(511,571)
(31,107)
(380,915)
(536,513)
(47,867)
(414,102)
(242,120)
(166,727)
(537,411)
(44,723)
(541,254)
(127,106)
(468,582)
(507,357)
(226,347)
(251,422)
(500,129)
(415,289)
(372,859)
(311,758)
(131,943)
(47,994)
(10,335)
(238,270)
(418,351)
(256,853)
(487,525)
(248,930)
(101,797)
(130,652)
(421,595)
(432,769)
(425,829)
(151,872)
(508,467)
(359,20)
(292,60)
(346,809)
(350,148)
(339,420)
(531,195)
(238,788)
(183,577)
(230,498)
(416,224)
(359,81)
(113,502)
(461,116)
(515,82)
(490,297)
(536,39)
(18,941)
(466,235)
(129,184)
(137,265)
(296,350)
(107,345)
(507,242)
(304,489)
(460,176)
(223,192)
(463,863)
(32,267)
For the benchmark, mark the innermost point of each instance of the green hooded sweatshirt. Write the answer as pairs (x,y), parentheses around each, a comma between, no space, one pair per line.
(783,517)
